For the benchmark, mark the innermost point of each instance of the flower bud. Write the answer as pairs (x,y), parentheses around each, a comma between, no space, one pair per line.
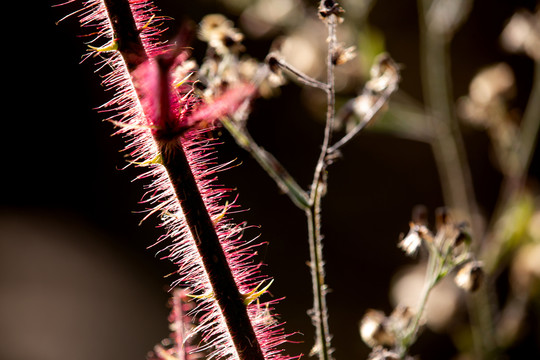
(470,276)
(374,331)
(342,54)
(330,7)
(411,243)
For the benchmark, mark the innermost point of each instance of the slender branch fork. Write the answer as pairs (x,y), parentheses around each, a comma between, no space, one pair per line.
(274,61)
(310,201)
(174,160)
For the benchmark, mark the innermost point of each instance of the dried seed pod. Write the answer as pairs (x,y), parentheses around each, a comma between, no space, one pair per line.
(522,34)
(401,318)
(384,74)
(220,34)
(343,55)
(272,60)
(374,330)
(411,243)
(330,7)
(442,217)
(462,236)
(470,276)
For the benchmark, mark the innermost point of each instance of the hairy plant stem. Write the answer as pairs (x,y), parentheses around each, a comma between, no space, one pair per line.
(312,204)
(319,312)
(126,33)
(224,287)
(318,189)
(215,262)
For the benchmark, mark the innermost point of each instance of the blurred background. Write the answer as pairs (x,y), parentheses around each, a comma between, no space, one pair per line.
(76,278)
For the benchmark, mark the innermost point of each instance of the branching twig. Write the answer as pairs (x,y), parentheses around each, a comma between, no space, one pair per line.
(274,61)
(367,117)
(318,188)
(384,83)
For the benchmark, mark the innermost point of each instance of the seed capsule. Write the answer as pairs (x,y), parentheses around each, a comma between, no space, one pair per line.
(470,276)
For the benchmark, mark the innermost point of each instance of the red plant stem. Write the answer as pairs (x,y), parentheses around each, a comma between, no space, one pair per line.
(225,290)
(215,263)
(126,33)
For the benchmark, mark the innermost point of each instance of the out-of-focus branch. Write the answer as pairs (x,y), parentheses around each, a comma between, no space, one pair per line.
(448,147)
(530,124)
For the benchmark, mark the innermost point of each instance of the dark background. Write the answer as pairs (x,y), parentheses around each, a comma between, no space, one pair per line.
(76,280)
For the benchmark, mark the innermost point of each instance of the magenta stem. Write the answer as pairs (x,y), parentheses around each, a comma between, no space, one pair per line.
(225,289)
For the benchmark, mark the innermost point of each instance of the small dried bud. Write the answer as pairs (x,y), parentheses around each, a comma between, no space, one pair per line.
(462,238)
(470,276)
(486,105)
(411,243)
(330,7)
(212,24)
(273,62)
(342,55)
(401,318)
(374,331)
(522,34)
(363,104)
(442,217)
(220,34)
(384,74)
(491,83)
(450,235)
